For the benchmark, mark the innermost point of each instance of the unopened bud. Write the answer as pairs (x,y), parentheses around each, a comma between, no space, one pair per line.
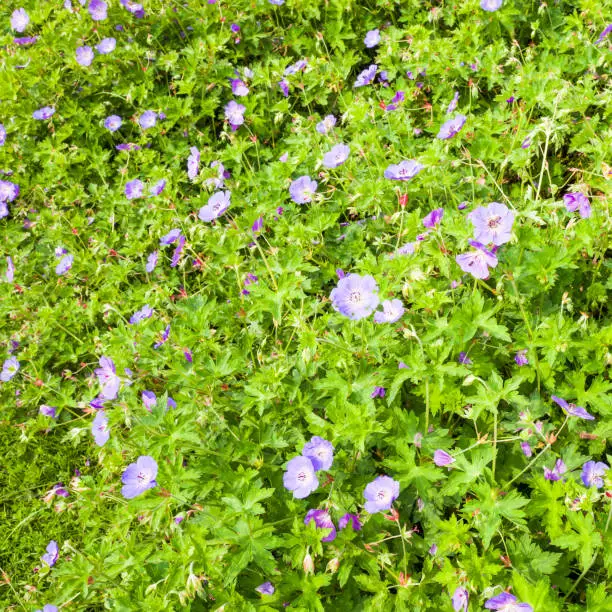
(333,565)
(308,564)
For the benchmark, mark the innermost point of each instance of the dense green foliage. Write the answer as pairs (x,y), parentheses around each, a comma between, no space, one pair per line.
(277,365)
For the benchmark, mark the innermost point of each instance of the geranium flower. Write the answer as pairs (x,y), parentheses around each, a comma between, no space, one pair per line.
(217,204)
(572,409)
(322,520)
(139,477)
(320,452)
(356,297)
(300,477)
(492,224)
(380,494)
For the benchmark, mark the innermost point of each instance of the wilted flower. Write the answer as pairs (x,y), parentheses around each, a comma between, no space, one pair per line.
(490,5)
(572,409)
(257,226)
(492,223)
(134,189)
(366,76)
(337,156)
(526,449)
(477,261)
(442,458)
(521,358)
(267,588)
(108,379)
(84,55)
(464,359)
(593,473)
(558,469)
(193,163)
(403,171)
(432,219)
(356,297)
(48,411)
(113,123)
(407,249)
(323,127)
(151,262)
(64,264)
(146,312)
(453,103)
(284,87)
(234,113)
(99,428)
(164,338)
(451,127)
(139,477)
(106,46)
(299,65)
(147,120)
(300,477)
(604,33)
(320,452)
(217,204)
(578,201)
(10,367)
(302,189)
(97,9)
(460,600)
(392,311)
(378,392)
(380,494)
(52,554)
(372,38)
(157,187)
(505,602)
(322,520)
(19,20)
(349,519)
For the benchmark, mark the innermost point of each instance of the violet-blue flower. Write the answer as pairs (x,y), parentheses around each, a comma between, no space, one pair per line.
(506,602)
(572,409)
(149,399)
(403,171)
(99,428)
(52,554)
(442,458)
(558,470)
(593,474)
(25,40)
(297,67)
(490,5)
(526,449)
(8,191)
(139,477)
(395,101)
(380,494)
(176,256)
(372,38)
(106,46)
(325,126)
(48,411)
(113,122)
(453,103)
(320,452)
(164,337)
(604,33)
(172,236)
(378,392)
(147,120)
(46,112)
(578,201)
(477,261)
(322,520)
(451,127)
(337,156)
(146,312)
(10,367)
(349,519)
(98,10)
(19,20)
(108,379)
(302,189)
(356,297)
(157,187)
(193,163)
(239,87)
(284,87)
(521,358)
(64,264)
(366,76)
(151,262)
(217,204)
(2,135)
(234,114)
(84,55)
(300,477)
(432,219)
(392,311)
(492,224)
(134,189)
(464,359)
(267,588)
(257,226)
(460,600)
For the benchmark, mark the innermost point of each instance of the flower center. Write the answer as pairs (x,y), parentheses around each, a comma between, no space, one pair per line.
(494,222)
(355,297)
(302,476)
(382,495)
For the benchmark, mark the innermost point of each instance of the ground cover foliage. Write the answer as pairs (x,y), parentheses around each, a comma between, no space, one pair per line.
(346,379)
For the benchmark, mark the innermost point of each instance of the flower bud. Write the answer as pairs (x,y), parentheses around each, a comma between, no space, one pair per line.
(333,565)
(308,564)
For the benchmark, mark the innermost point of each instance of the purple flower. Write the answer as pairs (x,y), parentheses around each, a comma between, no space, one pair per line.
(521,358)
(356,297)
(188,355)
(395,100)
(277,2)
(325,126)
(257,226)
(139,477)
(170,237)
(337,156)
(164,337)
(267,588)
(176,256)
(392,311)
(133,7)
(593,473)
(407,249)
(460,600)
(572,409)
(146,312)
(505,602)
(48,411)
(48,608)
(217,204)
(284,87)
(151,262)
(193,163)
(239,87)
(403,171)
(97,9)
(320,452)
(453,103)
(372,38)
(234,113)
(451,127)
(134,189)
(302,189)
(378,392)
(380,494)
(249,280)
(352,519)
(113,123)
(556,472)
(46,112)
(525,144)
(442,458)
(464,359)
(64,264)
(299,65)
(526,449)
(52,554)
(490,5)
(4,211)
(108,379)
(99,428)
(26,40)
(578,201)
(106,46)
(433,218)
(492,224)
(84,55)
(477,261)
(300,477)
(170,402)
(366,76)
(128,146)
(19,20)
(2,135)
(8,191)
(149,399)
(322,520)
(9,368)
(147,120)
(158,187)
(604,33)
